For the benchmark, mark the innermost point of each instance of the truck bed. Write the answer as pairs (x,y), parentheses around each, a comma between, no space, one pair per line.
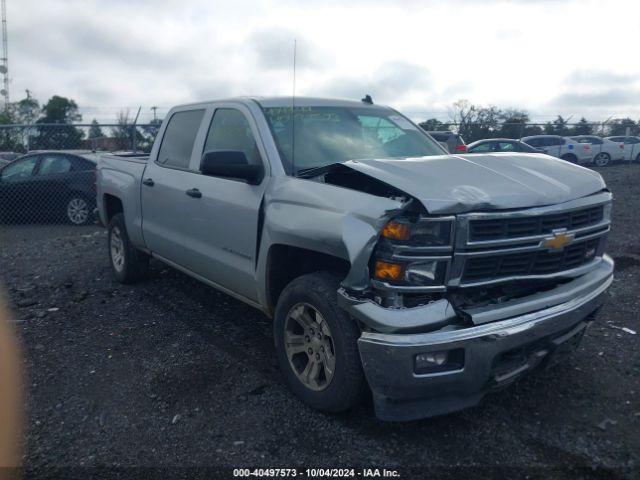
(119,175)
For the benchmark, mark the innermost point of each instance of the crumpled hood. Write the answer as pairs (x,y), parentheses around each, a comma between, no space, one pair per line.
(449,184)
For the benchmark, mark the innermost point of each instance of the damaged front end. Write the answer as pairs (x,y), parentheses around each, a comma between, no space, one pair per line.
(456,305)
(485,261)
(454,298)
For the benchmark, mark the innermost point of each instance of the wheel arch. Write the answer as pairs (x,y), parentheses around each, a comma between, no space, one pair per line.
(286,262)
(112,206)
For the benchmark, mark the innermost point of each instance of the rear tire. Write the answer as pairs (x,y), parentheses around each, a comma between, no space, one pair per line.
(319,360)
(569,157)
(128,264)
(77,210)
(602,159)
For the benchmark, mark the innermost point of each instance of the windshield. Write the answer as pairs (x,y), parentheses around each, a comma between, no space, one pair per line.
(326,135)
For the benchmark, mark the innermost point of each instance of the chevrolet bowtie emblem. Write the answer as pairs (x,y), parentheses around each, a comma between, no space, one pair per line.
(558,241)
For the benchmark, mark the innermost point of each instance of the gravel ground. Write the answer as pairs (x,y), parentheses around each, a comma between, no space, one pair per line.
(171,373)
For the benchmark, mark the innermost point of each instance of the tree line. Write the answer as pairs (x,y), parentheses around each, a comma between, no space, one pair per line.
(475,122)
(54,128)
(471,121)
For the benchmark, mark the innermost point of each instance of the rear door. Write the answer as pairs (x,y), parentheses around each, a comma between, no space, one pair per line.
(553,145)
(50,183)
(626,148)
(595,144)
(224,219)
(167,212)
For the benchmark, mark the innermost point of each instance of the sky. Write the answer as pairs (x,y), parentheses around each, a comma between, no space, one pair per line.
(575,58)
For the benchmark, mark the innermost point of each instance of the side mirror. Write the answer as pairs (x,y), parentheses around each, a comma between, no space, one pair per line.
(230,164)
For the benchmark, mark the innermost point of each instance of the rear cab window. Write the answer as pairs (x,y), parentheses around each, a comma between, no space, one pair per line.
(179,138)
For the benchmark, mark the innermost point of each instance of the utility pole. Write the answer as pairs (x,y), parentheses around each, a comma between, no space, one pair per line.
(4,65)
(154,108)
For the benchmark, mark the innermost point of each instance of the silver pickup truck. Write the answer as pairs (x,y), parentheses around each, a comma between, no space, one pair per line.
(387,264)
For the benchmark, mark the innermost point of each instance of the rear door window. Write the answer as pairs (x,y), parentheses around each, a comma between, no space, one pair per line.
(506,147)
(54,164)
(483,147)
(179,137)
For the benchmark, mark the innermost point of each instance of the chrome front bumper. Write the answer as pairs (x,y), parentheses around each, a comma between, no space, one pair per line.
(489,349)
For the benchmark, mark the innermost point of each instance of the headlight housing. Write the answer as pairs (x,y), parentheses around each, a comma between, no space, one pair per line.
(426,272)
(425,232)
(414,252)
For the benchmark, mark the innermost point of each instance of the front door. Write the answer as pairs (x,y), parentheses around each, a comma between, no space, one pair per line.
(224,218)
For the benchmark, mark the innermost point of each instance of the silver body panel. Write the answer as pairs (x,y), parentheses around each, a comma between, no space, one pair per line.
(225,238)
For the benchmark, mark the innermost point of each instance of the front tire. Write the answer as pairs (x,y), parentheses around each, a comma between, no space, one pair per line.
(128,264)
(569,157)
(316,344)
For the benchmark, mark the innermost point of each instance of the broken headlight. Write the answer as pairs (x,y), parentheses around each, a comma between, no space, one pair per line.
(427,272)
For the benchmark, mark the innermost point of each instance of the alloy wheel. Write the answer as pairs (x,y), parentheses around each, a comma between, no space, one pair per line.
(601,159)
(77,211)
(309,346)
(117,249)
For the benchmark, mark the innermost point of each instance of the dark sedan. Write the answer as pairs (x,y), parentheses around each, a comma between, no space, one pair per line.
(501,145)
(46,186)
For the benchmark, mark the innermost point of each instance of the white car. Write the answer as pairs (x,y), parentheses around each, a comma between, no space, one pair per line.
(631,146)
(561,147)
(604,151)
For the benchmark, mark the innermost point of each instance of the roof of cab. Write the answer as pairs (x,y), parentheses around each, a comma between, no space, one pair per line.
(268,102)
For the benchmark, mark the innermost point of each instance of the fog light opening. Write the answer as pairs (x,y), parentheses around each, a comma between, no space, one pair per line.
(439,361)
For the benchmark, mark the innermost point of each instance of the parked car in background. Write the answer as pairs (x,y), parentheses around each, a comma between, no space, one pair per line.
(604,151)
(501,145)
(631,147)
(561,147)
(453,142)
(46,186)
(7,157)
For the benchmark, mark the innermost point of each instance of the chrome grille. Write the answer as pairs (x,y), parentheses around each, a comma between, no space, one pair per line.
(540,262)
(506,228)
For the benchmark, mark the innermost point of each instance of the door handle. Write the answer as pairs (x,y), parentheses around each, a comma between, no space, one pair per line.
(148,182)
(194,192)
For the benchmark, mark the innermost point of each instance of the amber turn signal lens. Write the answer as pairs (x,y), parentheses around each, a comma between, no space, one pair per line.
(388,271)
(396,230)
